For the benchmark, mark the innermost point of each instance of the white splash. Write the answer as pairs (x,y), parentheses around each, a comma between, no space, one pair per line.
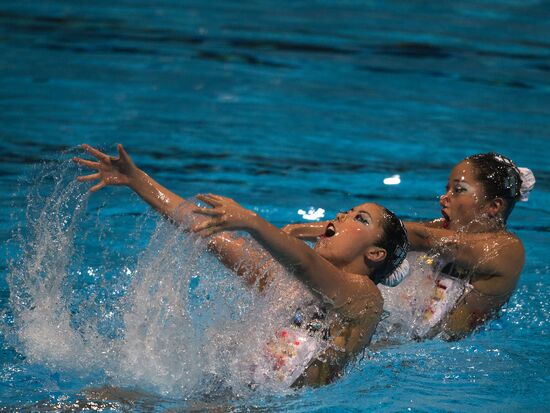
(312,214)
(168,318)
(392,180)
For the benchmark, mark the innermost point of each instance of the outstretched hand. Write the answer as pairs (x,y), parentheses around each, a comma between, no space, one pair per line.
(225,214)
(110,170)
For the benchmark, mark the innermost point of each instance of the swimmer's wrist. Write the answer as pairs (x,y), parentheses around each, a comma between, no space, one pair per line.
(138,178)
(256,226)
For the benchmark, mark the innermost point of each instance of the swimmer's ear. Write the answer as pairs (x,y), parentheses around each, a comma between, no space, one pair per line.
(495,207)
(375,254)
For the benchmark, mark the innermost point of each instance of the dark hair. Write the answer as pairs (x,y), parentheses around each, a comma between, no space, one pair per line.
(499,177)
(394,240)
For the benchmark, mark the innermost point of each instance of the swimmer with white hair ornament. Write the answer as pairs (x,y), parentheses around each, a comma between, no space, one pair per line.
(360,248)
(470,261)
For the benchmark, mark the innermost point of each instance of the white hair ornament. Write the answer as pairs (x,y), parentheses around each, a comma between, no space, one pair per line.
(527,183)
(398,275)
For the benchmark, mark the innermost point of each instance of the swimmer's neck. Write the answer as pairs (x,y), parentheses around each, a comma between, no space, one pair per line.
(359,268)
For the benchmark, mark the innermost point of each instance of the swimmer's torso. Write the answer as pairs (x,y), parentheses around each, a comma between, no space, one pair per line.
(459,298)
(293,348)
(438,297)
(318,342)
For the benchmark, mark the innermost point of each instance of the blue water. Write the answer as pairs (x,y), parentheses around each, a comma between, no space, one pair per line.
(282,106)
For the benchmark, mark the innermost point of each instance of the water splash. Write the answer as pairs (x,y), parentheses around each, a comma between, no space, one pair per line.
(166,317)
(405,302)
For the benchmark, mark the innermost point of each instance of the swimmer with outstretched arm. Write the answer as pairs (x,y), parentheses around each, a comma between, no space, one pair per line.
(471,242)
(360,248)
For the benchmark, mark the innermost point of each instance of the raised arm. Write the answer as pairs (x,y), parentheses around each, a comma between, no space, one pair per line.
(238,254)
(345,290)
(310,231)
(486,254)
(123,171)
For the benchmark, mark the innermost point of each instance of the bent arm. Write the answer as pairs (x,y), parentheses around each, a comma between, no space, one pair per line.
(122,171)
(310,231)
(306,231)
(322,277)
(469,250)
(420,234)
(494,258)
(471,312)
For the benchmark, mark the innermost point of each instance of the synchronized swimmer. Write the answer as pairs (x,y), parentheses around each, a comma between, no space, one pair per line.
(475,261)
(362,247)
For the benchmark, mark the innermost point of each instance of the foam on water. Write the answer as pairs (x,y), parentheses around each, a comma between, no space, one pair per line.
(169,319)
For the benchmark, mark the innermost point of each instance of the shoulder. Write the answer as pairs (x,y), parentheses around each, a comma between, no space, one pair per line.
(369,291)
(505,246)
(364,302)
(511,253)
(369,302)
(502,261)
(488,245)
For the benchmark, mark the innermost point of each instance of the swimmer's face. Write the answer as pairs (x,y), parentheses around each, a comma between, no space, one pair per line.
(464,201)
(349,236)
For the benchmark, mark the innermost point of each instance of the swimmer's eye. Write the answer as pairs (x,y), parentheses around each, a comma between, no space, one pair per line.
(459,189)
(362,218)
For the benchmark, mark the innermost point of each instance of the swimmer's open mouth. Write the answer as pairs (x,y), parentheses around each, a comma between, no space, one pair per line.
(330,230)
(445,215)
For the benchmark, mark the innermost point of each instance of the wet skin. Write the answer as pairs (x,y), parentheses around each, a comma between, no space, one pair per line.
(350,239)
(338,269)
(464,205)
(473,236)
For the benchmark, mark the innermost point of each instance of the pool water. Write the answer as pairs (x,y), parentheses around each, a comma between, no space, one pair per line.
(284,106)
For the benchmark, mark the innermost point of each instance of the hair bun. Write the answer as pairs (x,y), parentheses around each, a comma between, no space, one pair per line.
(398,275)
(527,183)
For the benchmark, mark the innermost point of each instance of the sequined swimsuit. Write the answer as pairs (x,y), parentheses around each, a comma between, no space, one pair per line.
(290,352)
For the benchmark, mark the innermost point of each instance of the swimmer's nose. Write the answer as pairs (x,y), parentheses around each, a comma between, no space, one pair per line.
(341,216)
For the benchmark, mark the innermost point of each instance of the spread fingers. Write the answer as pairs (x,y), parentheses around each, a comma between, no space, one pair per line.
(98,186)
(86,178)
(93,151)
(85,162)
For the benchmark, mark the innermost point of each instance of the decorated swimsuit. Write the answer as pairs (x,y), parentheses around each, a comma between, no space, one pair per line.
(291,351)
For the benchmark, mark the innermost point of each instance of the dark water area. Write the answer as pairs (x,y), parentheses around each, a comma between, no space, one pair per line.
(282,106)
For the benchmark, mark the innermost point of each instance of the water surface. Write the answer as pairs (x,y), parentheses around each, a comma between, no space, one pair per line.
(282,106)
